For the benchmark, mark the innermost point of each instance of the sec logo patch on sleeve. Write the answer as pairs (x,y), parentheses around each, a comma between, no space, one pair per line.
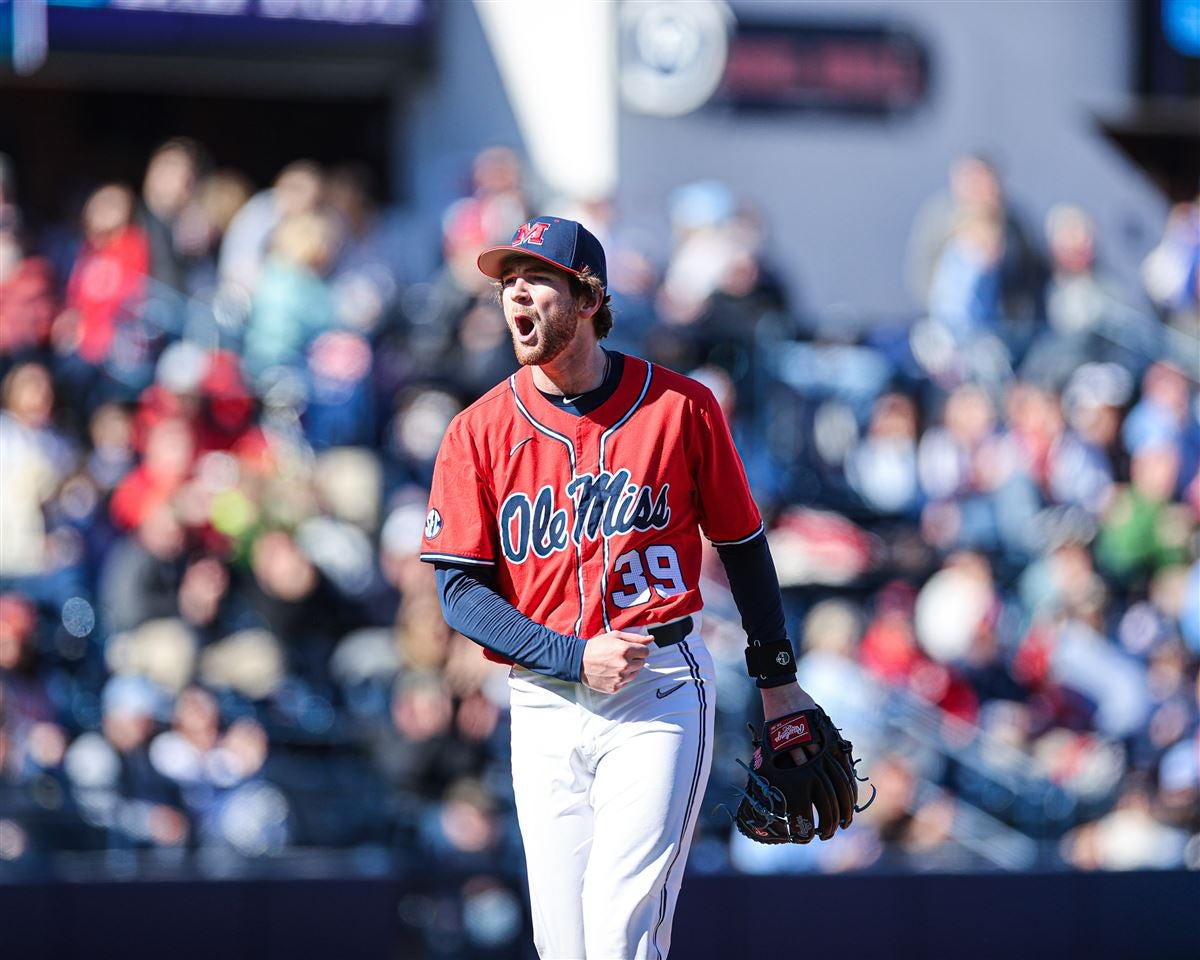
(433,524)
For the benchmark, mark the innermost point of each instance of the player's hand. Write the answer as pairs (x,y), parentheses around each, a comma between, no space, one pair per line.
(611,660)
(782,700)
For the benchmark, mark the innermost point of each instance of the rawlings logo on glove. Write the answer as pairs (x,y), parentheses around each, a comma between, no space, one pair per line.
(788,733)
(786,802)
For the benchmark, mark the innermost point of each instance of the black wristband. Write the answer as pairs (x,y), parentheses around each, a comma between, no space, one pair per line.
(771,664)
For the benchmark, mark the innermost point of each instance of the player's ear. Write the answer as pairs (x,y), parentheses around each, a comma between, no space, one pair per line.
(589,300)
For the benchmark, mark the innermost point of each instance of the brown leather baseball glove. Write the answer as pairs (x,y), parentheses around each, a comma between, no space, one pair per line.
(786,802)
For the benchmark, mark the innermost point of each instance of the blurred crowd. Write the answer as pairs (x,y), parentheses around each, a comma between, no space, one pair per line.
(220,409)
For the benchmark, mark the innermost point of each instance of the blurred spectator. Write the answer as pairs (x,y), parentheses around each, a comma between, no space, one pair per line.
(1171,273)
(826,668)
(25,678)
(112,778)
(1089,317)
(889,644)
(482,349)
(203,590)
(1179,782)
(110,432)
(203,223)
(459,304)
(1129,838)
(368,269)
(162,650)
(633,284)
(183,752)
(1088,459)
(247,238)
(414,748)
(28,295)
(1035,426)
(1084,661)
(1143,530)
(293,600)
(497,199)
(1077,299)
(340,411)
(978,481)
(964,292)
(250,663)
(882,469)
(35,459)
(142,575)
(412,436)
(247,813)
(292,302)
(975,221)
(464,832)
(1189,612)
(706,245)
(1165,414)
(1064,582)
(108,277)
(218,776)
(732,315)
(224,420)
(167,189)
(166,463)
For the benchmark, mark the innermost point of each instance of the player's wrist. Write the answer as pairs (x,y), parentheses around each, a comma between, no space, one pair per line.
(575,671)
(787,698)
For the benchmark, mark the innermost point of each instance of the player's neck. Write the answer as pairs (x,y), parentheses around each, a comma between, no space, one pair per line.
(578,369)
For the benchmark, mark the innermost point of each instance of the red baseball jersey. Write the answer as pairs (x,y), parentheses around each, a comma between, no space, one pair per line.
(592,522)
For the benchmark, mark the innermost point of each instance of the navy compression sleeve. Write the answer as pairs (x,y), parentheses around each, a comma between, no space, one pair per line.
(475,610)
(755,588)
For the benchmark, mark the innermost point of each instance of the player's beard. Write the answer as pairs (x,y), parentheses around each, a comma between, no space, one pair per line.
(555,331)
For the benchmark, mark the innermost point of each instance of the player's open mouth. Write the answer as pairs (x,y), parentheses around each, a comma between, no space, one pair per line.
(526,329)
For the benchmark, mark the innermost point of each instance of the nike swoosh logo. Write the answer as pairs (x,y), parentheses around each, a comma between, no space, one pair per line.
(662,694)
(569,400)
(519,446)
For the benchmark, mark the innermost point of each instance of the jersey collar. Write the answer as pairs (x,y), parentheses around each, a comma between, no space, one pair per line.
(633,377)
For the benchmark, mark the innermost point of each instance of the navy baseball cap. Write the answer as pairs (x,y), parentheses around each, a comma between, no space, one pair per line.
(564,243)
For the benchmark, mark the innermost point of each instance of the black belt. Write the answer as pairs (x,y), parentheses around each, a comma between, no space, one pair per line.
(671,633)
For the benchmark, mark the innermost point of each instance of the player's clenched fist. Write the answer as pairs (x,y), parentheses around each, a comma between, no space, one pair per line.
(612,659)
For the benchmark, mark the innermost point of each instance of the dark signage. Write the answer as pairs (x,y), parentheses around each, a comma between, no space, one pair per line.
(858,69)
(218,26)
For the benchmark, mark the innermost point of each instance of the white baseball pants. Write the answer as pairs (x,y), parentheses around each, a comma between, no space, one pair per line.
(608,788)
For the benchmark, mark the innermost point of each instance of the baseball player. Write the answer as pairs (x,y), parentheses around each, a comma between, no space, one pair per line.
(564,522)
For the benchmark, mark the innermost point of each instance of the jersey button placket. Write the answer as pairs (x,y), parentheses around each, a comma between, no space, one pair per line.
(587,463)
